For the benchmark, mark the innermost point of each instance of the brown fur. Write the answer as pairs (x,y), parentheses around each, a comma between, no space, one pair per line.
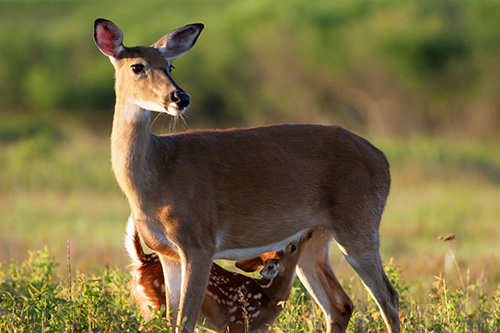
(233,302)
(207,194)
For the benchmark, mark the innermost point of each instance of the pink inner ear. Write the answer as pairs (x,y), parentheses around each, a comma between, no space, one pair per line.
(109,42)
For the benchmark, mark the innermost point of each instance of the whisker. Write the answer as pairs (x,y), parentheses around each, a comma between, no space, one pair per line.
(186,115)
(184,121)
(173,124)
(158,115)
(170,126)
(164,118)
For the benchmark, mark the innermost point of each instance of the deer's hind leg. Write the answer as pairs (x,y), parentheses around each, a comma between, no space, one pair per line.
(315,272)
(361,250)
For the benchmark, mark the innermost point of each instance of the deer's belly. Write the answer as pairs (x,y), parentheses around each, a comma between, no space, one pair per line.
(244,253)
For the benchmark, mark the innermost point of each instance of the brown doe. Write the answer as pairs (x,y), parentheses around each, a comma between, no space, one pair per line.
(235,194)
(233,302)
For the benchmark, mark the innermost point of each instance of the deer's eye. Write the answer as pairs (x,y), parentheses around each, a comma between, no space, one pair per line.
(138,68)
(293,248)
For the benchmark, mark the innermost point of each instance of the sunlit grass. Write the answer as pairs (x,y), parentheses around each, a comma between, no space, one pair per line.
(57,184)
(440,187)
(34,298)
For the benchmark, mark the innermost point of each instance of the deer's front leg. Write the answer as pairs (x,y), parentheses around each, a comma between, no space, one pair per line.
(172,271)
(196,272)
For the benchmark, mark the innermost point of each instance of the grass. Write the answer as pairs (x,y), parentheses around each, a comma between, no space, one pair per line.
(57,185)
(33,298)
(440,187)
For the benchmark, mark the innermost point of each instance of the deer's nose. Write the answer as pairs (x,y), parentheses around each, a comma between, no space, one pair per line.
(181,98)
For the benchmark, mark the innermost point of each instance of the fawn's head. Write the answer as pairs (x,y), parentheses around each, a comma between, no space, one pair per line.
(275,262)
(143,73)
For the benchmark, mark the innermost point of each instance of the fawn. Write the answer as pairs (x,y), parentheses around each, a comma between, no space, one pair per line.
(233,302)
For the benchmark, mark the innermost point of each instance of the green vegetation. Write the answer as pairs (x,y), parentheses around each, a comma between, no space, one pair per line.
(418,79)
(384,67)
(32,298)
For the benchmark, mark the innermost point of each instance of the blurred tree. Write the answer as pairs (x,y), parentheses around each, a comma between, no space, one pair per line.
(384,67)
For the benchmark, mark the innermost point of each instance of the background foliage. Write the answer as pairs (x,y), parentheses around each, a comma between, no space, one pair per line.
(418,79)
(384,67)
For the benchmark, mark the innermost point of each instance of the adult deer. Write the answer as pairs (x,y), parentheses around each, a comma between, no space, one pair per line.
(238,193)
(233,302)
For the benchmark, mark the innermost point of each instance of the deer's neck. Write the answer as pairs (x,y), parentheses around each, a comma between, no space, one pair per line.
(131,139)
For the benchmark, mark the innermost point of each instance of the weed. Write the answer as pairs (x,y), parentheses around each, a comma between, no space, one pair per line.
(32,298)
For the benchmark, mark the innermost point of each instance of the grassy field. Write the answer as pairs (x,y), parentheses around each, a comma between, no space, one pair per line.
(33,298)
(57,187)
(387,68)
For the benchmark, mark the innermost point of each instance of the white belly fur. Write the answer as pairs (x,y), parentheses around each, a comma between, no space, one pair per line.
(240,254)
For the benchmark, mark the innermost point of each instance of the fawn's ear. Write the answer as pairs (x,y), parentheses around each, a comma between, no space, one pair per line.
(250,265)
(179,41)
(108,37)
(270,271)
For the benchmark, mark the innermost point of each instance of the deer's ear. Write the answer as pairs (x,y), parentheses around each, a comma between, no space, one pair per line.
(179,41)
(270,271)
(250,265)
(108,37)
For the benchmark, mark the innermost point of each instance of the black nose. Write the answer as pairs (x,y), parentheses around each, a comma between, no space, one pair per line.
(181,98)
